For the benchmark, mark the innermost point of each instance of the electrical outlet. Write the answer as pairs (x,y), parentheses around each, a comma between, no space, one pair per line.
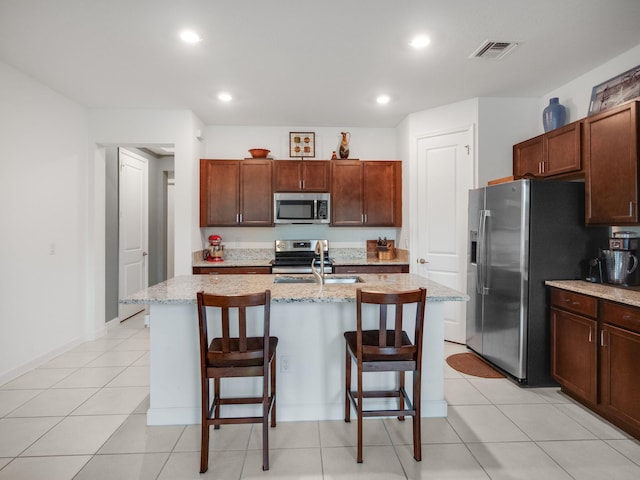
(286,363)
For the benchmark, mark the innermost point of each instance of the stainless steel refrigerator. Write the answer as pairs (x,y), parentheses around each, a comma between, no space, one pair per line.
(522,233)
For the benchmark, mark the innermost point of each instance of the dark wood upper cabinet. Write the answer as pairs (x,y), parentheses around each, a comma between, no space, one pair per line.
(367,193)
(301,175)
(236,193)
(611,157)
(556,153)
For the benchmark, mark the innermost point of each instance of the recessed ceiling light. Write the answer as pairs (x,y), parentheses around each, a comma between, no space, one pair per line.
(420,41)
(383,99)
(189,36)
(225,97)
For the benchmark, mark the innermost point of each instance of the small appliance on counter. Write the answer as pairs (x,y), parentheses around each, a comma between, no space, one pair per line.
(215,251)
(621,261)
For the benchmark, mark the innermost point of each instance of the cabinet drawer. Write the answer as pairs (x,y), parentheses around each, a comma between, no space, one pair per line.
(371,269)
(620,315)
(231,270)
(574,302)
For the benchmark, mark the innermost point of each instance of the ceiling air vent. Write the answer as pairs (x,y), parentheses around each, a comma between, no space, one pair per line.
(493,50)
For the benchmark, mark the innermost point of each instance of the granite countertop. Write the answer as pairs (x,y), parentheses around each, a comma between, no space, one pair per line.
(600,290)
(182,289)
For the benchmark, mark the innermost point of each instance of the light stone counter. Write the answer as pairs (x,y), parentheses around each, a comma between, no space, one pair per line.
(182,289)
(309,321)
(600,290)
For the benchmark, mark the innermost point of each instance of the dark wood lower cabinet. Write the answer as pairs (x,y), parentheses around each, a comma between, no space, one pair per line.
(597,360)
(620,374)
(231,270)
(574,357)
(404,268)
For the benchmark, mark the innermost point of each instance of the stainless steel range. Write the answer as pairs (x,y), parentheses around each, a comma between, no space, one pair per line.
(295,256)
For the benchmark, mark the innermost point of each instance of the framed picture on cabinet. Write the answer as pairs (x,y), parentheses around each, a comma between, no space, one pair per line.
(615,91)
(302,144)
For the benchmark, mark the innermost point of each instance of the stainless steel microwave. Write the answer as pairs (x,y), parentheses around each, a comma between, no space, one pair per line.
(302,208)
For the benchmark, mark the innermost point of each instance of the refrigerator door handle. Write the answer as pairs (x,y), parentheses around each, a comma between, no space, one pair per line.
(482,287)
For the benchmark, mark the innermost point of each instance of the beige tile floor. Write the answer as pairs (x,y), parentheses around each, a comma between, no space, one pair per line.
(82,416)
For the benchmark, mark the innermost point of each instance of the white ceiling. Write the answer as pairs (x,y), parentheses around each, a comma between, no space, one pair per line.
(308,63)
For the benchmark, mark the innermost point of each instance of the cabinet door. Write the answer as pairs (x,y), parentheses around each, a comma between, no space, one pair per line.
(315,175)
(346,193)
(574,353)
(219,192)
(287,175)
(611,157)
(382,184)
(256,195)
(563,150)
(371,269)
(528,157)
(619,385)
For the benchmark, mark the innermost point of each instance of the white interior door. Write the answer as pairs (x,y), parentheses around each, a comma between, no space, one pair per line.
(170,227)
(445,175)
(133,237)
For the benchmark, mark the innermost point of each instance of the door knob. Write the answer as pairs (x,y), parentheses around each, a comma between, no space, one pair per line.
(422,260)
(144,254)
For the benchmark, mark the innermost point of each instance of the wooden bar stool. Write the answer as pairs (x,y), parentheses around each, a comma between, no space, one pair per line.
(241,356)
(384,350)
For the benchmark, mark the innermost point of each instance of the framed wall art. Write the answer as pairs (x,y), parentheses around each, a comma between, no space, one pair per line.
(302,144)
(615,91)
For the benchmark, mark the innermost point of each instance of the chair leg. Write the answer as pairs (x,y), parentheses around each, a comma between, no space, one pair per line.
(400,396)
(265,427)
(417,434)
(204,438)
(347,403)
(273,391)
(216,400)
(360,417)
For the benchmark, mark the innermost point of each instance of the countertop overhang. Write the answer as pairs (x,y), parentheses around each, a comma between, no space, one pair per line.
(628,296)
(183,289)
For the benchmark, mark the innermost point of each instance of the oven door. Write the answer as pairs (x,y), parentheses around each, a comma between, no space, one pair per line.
(295,211)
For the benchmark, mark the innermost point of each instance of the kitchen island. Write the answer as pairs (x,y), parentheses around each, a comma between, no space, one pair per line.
(309,321)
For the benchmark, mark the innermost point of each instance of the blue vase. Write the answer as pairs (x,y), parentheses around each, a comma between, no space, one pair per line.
(554,115)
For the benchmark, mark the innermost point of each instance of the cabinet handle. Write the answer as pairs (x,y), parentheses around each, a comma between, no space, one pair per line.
(590,331)
(631,209)
(365,218)
(240,218)
(602,338)
(237,218)
(301,184)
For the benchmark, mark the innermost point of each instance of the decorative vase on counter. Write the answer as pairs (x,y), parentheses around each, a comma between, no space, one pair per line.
(554,115)
(344,144)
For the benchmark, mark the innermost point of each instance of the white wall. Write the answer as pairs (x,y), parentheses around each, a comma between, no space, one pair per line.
(137,127)
(42,206)
(575,95)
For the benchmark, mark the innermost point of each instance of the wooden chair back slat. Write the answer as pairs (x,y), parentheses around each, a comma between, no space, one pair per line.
(382,329)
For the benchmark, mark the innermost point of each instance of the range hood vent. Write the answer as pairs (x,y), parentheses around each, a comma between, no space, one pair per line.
(493,50)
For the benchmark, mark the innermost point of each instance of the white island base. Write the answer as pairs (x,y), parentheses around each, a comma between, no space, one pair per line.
(310,356)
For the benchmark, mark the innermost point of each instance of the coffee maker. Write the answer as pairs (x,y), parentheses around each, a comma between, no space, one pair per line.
(621,260)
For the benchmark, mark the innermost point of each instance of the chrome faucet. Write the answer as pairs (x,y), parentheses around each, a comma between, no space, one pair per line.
(319,275)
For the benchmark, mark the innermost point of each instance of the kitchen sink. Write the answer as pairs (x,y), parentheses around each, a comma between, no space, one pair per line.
(342,280)
(311,279)
(290,279)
